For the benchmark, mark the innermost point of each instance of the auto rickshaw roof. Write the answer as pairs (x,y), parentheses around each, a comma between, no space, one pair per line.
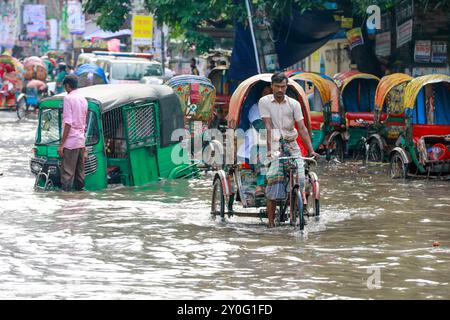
(240,94)
(386,84)
(111,96)
(413,88)
(344,78)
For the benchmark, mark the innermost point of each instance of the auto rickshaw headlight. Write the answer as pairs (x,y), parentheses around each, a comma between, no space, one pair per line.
(36,167)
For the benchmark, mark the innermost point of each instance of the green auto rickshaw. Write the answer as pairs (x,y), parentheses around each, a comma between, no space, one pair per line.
(129,137)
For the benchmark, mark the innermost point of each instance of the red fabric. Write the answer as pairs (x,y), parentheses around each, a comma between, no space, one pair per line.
(367,116)
(420,130)
(316,121)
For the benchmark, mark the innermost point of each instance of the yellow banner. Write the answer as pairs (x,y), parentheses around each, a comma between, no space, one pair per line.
(142,30)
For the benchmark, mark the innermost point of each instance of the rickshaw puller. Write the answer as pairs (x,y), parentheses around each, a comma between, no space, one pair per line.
(280,113)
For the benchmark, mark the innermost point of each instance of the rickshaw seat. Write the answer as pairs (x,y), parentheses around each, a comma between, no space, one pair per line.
(316,121)
(351,118)
(420,130)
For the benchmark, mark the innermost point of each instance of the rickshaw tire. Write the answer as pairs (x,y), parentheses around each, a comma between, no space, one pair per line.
(339,145)
(404,167)
(297,195)
(21,106)
(374,142)
(217,187)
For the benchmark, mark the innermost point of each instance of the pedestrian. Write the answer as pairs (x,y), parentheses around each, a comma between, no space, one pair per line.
(62,73)
(194,69)
(72,149)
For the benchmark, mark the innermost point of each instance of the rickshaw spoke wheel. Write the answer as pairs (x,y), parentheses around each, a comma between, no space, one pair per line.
(398,167)
(375,152)
(335,149)
(21,109)
(296,209)
(218,200)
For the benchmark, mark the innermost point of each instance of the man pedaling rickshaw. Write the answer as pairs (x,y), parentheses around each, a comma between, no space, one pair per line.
(280,113)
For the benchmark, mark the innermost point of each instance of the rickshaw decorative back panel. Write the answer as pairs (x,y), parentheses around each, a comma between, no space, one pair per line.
(390,93)
(197,96)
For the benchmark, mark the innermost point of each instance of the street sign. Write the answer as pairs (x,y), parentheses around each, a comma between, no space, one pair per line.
(142,30)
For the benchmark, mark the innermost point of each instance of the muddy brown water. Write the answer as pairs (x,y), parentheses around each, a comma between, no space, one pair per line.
(374,239)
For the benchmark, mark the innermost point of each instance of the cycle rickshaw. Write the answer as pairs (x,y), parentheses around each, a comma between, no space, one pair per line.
(236,182)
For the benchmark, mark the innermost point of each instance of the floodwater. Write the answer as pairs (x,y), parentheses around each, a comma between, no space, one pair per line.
(374,239)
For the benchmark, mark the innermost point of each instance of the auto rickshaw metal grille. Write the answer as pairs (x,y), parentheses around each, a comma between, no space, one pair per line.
(90,165)
(114,134)
(141,124)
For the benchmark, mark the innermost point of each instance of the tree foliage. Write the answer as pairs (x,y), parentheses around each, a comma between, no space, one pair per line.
(189,16)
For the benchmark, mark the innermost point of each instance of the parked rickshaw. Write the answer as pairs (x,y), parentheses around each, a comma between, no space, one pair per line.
(324,106)
(224,89)
(389,117)
(11,84)
(424,146)
(197,96)
(128,137)
(237,181)
(90,75)
(357,102)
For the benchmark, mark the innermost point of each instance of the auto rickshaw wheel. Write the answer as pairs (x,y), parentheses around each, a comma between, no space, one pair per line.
(296,208)
(375,151)
(218,200)
(398,168)
(335,148)
(21,109)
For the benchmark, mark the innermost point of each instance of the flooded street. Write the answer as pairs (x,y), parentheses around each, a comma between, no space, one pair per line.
(159,242)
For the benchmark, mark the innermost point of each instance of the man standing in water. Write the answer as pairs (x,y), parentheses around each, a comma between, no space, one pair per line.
(280,113)
(72,148)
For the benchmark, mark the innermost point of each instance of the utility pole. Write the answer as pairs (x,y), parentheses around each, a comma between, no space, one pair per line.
(250,21)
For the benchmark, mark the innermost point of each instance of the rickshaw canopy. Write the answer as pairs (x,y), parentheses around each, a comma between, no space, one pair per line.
(386,84)
(414,87)
(219,79)
(344,78)
(318,82)
(240,94)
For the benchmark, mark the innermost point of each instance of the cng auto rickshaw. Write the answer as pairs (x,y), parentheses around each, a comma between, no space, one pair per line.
(324,106)
(424,147)
(89,75)
(389,117)
(357,101)
(128,137)
(236,182)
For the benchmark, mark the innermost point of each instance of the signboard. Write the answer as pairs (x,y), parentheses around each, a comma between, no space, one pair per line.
(34,20)
(421,71)
(404,12)
(404,33)
(439,52)
(346,23)
(422,51)
(354,37)
(383,44)
(142,30)
(75,21)
(53,23)
(8,24)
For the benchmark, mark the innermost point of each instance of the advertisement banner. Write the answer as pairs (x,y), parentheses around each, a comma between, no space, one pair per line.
(383,44)
(404,33)
(355,37)
(9,26)
(422,51)
(53,34)
(34,20)
(75,22)
(439,52)
(142,30)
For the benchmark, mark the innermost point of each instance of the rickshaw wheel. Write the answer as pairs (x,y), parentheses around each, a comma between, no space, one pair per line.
(296,209)
(21,109)
(218,200)
(335,148)
(313,207)
(375,151)
(398,167)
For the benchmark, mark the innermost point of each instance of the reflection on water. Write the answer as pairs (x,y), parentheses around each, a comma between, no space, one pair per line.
(158,241)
